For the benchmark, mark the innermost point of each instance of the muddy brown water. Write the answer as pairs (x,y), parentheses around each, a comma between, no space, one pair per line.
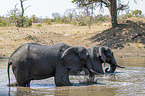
(129,81)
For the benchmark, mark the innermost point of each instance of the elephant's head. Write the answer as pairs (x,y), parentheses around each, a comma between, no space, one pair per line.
(107,57)
(74,58)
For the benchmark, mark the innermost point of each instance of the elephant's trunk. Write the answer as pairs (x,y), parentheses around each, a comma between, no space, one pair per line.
(112,69)
(113,66)
(120,66)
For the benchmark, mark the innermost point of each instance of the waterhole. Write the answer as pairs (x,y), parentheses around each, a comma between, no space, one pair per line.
(129,81)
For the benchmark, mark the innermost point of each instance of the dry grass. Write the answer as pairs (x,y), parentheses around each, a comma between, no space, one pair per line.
(12,37)
(130,50)
(98,35)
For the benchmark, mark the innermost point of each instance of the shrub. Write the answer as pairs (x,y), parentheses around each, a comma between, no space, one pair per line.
(22,21)
(2,23)
(48,22)
(85,21)
(28,23)
(39,25)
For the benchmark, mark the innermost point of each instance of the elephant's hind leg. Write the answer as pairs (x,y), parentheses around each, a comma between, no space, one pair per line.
(28,84)
(22,75)
(21,81)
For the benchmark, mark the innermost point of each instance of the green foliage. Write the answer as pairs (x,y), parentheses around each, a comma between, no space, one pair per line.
(34,19)
(12,19)
(39,25)
(79,17)
(64,19)
(84,20)
(75,1)
(104,18)
(128,15)
(73,22)
(48,22)
(14,13)
(19,21)
(137,12)
(2,22)
(28,23)
(56,17)
(22,21)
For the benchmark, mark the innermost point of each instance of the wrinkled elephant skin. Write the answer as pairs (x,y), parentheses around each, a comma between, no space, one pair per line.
(102,55)
(33,61)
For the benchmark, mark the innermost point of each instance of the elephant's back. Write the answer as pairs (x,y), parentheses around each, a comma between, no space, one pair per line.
(44,50)
(34,50)
(19,52)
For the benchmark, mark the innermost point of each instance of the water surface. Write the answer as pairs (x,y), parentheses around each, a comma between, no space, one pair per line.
(129,81)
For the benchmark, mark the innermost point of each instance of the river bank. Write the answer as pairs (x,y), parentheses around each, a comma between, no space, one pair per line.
(97,35)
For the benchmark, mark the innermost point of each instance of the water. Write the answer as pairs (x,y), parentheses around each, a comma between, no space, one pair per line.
(129,81)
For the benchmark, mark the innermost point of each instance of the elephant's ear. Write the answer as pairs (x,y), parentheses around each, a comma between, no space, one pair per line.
(66,54)
(102,53)
(82,52)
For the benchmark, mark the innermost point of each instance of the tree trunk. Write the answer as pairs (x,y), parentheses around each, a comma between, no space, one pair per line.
(114,13)
(22,7)
(22,19)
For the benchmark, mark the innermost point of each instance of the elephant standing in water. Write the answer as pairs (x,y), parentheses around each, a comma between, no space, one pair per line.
(102,55)
(32,61)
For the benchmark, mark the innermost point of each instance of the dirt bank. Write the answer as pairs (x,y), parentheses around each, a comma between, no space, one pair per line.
(98,35)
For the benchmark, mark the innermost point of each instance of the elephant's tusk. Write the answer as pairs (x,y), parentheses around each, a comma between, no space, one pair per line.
(119,66)
(94,71)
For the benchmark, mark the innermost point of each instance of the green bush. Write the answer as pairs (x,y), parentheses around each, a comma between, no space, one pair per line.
(28,23)
(39,25)
(103,18)
(48,22)
(2,23)
(129,15)
(22,21)
(137,12)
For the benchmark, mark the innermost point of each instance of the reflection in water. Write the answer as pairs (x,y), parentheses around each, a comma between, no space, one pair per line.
(127,81)
(69,90)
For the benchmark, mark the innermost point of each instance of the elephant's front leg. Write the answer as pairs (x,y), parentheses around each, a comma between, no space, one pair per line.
(62,77)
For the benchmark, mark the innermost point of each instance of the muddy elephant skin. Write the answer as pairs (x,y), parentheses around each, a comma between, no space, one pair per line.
(33,61)
(102,55)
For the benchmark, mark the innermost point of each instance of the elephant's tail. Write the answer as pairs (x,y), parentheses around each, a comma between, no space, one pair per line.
(9,64)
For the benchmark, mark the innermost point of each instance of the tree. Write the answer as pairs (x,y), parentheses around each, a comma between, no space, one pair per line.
(137,12)
(56,17)
(34,18)
(113,4)
(14,13)
(22,7)
(70,13)
(22,14)
(17,17)
(110,4)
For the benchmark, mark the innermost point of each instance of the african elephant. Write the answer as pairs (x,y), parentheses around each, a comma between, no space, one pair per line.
(102,55)
(33,61)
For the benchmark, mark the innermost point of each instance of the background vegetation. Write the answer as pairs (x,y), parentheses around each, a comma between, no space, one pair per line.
(77,27)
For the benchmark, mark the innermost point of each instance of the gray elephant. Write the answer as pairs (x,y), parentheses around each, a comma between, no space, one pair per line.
(102,55)
(32,61)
